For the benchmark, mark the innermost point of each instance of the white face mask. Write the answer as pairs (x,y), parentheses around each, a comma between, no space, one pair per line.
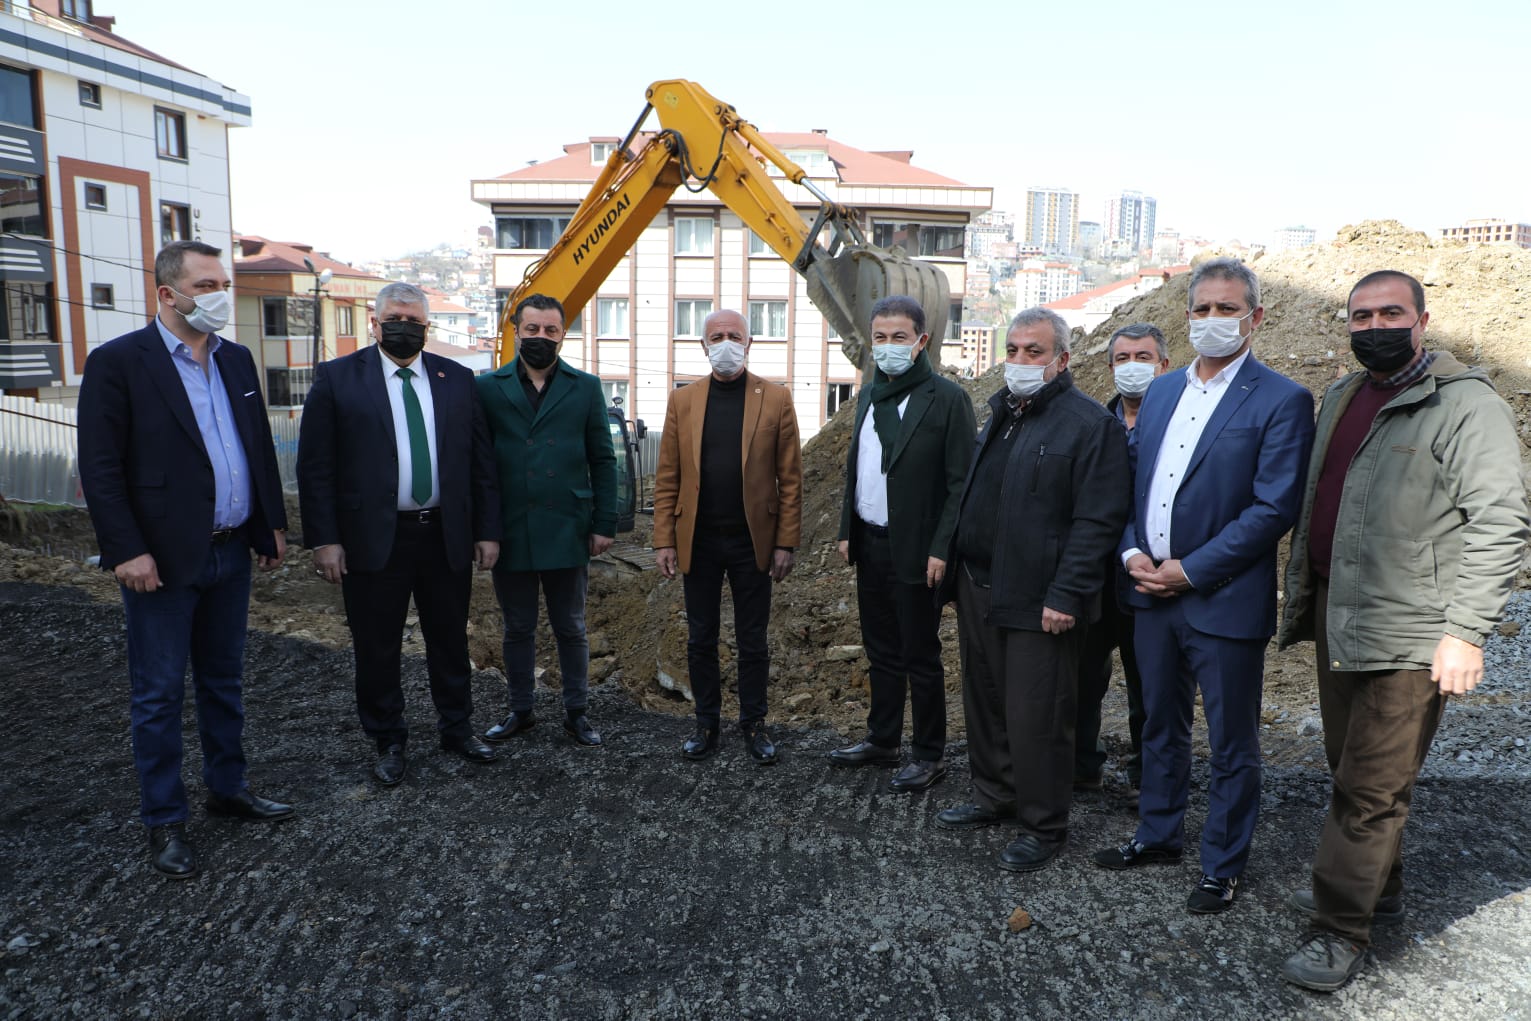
(1217,336)
(726,356)
(1025,380)
(212,311)
(1132,378)
(893,359)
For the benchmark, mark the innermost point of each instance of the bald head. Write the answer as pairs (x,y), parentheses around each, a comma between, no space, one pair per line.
(725,324)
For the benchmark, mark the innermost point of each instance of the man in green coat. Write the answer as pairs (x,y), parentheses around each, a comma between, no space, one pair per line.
(558,494)
(909,455)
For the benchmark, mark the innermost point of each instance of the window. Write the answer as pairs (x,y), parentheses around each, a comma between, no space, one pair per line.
(757,245)
(611,317)
(174,222)
(836,394)
(101,296)
(768,320)
(808,159)
(600,152)
(345,320)
(28,310)
(75,10)
(614,389)
(577,327)
(954,321)
(689,317)
(286,388)
(95,196)
(528,232)
(287,317)
(693,235)
(21,209)
(170,134)
(943,240)
(16,105)
(90,94)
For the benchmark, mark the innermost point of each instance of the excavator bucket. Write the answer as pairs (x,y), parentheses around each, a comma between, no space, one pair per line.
(845,286)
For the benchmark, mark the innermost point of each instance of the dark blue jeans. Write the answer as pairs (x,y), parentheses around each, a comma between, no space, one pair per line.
(205,623)
(564,590)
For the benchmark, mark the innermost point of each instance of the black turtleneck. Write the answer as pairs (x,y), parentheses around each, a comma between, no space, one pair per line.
(720,504)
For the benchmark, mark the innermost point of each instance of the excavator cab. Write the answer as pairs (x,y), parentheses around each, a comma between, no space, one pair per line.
(625,437)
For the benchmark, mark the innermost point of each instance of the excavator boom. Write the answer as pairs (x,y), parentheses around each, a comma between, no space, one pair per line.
(704,144)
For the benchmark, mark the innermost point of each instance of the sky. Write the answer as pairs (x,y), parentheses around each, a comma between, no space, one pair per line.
(371,117)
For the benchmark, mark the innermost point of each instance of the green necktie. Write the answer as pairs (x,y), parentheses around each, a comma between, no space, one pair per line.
(419,445)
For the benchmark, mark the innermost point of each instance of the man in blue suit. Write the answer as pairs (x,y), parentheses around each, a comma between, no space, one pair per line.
(396,485)
(180,476)
(1221,452)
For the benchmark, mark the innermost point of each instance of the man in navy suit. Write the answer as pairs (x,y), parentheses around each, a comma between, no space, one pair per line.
(180,476)
(396,485)
(1221,455)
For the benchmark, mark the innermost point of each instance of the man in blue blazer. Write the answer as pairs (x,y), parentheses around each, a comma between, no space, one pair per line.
(396,485)
(1221,452)
(180,477)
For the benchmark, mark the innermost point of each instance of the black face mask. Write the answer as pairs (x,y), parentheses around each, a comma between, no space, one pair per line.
(537,352)
(401,339)
(1383,349)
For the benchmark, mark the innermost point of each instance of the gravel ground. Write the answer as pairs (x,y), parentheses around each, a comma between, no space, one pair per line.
(627,883)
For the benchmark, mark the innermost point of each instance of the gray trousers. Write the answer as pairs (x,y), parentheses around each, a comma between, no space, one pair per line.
(1018,697)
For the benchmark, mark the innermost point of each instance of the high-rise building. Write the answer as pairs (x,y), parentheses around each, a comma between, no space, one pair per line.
(640,332)
(1130,222)
(110,151)
(1052,220)
(1089,239)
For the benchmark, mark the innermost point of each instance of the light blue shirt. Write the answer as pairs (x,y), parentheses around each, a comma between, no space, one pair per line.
(220,435)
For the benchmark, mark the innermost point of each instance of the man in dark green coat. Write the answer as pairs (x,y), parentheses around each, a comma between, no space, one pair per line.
(909,455)
(558,494)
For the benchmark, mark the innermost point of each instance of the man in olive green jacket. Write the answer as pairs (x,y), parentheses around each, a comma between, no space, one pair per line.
(1411,534)
(558,499)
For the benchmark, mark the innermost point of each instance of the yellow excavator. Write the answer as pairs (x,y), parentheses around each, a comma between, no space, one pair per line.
(703,143)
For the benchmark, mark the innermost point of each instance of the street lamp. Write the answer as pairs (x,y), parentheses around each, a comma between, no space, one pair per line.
(321,277)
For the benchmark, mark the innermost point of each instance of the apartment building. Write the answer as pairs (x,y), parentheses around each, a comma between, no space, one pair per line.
(640,334)
(1490,232)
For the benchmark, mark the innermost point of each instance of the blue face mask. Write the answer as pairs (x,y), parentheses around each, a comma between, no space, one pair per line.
(893,359)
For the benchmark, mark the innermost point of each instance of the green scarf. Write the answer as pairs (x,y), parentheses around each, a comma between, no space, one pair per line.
(887,391)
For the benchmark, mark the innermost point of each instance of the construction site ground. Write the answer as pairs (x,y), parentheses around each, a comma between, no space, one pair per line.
(626,882)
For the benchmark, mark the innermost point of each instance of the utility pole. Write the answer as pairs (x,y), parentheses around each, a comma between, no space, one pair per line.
(316,348)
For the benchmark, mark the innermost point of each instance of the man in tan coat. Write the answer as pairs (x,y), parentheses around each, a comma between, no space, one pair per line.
(728,501)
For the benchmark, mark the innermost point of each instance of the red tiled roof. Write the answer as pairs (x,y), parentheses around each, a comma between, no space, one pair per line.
(261,255)
(1083,298)
(852,165)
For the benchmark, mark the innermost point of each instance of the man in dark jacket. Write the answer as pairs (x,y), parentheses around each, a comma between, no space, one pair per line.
(180,476)
(1043,506)
(908,457)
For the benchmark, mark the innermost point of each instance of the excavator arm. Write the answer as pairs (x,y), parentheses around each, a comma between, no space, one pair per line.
(704,144)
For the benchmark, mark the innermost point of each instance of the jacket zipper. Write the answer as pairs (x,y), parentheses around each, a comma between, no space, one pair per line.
(1036,472)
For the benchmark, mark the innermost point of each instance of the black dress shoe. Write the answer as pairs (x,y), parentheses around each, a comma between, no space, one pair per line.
(968,817)
(390,765)
(518,721)
(169,852)
(248,805)
(701,744)
(578,727)
(469,747)
(919,775)
(864,753)
(1132,854)
(1212,895)
(758,740)
(1027,854)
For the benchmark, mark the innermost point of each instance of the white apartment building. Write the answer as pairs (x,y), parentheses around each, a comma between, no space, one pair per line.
(641,333)
(107,151)
(1130,223)
(1288,238)
(1038,282)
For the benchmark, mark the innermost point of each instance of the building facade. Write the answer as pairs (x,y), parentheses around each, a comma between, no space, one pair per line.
(279,296)
(988,232)
(109,152)
(1130,223)
(1038,282)
(1052,221)
(1288,238)
(641,332)
(1490,232)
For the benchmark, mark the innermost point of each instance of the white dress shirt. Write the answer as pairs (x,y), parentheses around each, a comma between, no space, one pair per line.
(422,386)
(1197,403)
(871,482)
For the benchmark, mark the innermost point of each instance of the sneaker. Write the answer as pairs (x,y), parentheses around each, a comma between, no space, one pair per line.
(1132,854)
(1324,962)
(1387,911)
(1212,895)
